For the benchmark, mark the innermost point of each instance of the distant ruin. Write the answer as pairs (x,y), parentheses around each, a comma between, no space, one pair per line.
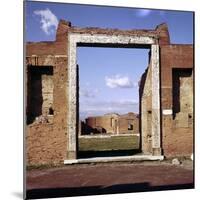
(166,113)
(112,123)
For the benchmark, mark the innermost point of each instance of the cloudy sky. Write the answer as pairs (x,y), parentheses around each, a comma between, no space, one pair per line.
(108,76)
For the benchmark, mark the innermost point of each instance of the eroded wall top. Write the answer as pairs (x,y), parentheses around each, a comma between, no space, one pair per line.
(59,46)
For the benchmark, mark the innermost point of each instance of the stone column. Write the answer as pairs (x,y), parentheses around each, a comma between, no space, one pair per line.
(72,111)
(156,148)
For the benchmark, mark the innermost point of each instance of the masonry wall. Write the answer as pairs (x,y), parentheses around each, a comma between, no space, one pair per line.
(47,132)
(40,92)
(129,123)
(46,135)
(176,82)
(114,123)
(177,126)
(146,111)
(106,123)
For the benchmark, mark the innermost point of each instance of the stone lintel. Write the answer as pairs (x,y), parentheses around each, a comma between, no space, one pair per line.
(44,60)
(111,39)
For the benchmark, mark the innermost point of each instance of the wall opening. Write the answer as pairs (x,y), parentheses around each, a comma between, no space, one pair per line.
(40,92)
(126,41)
(182,96)
(109,100)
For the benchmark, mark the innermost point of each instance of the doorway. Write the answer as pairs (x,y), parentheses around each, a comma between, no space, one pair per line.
(95,40)
(109,100)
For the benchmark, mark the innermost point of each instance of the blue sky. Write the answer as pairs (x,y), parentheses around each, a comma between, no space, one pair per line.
(109,79)
(108,76)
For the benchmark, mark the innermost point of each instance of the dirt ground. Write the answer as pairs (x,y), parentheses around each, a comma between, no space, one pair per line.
(108,178)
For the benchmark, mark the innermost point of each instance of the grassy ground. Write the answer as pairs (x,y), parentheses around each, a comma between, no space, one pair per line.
(107,144)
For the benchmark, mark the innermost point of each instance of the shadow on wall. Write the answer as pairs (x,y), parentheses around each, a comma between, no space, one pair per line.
(177,75)
(98,190)
(35,93)
(108,153)
(88,130)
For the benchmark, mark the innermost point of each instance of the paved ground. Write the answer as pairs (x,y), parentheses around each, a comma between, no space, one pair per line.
(76,180)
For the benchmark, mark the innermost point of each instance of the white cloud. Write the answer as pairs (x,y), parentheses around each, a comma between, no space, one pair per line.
(119,81)
(88,93)
(143,12)
(48,20)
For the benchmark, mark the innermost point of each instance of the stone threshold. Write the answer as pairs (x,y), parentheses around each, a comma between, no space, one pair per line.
(107,136)
(114,159)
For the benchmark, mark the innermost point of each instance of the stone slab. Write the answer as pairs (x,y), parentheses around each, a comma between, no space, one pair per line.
(114,159)
(167,112)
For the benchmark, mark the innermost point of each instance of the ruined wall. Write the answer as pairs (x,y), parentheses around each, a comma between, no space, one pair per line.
(47,132)
(47,94)
(177,99)
(108,123)
(40,95)
(46,137)
(146,111)
(176,65)
(129,123)
(105,122)
(52,127)
(114,123)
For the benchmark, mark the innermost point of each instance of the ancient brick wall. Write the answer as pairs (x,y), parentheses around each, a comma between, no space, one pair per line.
(146,110)
(114,123)
(47,94)
(177,126)
(129,123)
(104,122)
(46,135)
(47,132)
(176,64)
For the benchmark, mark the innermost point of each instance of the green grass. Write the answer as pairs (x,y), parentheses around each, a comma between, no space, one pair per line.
(112,143)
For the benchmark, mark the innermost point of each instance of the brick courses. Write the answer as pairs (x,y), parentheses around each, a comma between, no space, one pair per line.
(46,142)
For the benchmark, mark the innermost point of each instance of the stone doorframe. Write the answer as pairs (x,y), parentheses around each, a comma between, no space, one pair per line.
(75,40)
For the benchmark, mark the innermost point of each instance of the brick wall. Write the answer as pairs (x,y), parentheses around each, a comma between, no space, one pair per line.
(177,132)
(46,138)
(114,123)
(129,123)
(146,111)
